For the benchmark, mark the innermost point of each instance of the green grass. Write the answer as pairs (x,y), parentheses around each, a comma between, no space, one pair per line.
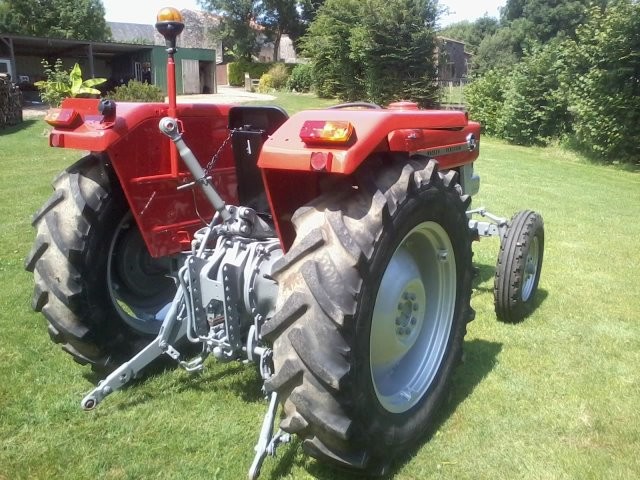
(553,397)
(294,102)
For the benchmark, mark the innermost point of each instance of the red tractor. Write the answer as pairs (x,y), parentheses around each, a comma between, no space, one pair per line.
(332,249)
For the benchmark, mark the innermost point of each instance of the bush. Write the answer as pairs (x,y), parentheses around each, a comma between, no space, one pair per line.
(301,78)
(266,83)
(61,84)
(485,97)
(136,91)
(603,83)
(535,110)
(279,74)
(237,70)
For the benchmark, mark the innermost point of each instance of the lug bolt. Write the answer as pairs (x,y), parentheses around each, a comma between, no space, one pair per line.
(398,321)
(405,295)
(413,321)
(399,331)
(415,307)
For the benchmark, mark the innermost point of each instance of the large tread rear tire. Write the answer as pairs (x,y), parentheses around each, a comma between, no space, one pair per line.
(321,332)
(69,262)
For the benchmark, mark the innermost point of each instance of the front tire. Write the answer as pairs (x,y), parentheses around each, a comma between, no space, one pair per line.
(95,282)
(519,267)
(371,312)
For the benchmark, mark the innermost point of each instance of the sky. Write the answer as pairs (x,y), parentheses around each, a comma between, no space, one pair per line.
(144,11)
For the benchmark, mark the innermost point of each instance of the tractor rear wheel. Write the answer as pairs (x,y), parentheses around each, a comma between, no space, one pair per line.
(101,292)
(372,311)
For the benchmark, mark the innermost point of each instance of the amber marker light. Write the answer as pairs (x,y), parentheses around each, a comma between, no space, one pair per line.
(314,132)
(169,14)
(62,117)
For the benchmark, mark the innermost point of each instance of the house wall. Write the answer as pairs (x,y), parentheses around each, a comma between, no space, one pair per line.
(453,60)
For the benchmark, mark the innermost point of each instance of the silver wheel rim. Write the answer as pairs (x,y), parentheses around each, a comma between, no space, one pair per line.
(412,317)
(138,298)
(530,269)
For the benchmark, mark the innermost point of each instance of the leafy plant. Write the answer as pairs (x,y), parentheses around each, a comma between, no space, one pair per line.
(136,91)
(61,84)
(266,83)
(301,78)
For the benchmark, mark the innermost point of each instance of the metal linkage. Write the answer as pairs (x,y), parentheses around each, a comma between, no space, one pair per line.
(497,226)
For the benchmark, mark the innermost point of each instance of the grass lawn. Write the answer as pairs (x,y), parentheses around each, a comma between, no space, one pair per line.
(554,397)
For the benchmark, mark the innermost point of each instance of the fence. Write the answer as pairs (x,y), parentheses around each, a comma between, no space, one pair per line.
(452,93)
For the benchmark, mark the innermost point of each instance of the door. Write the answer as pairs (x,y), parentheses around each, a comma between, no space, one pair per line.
(190,76)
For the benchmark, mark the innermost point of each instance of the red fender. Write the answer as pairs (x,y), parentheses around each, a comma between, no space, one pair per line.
(140,156)
(286,161)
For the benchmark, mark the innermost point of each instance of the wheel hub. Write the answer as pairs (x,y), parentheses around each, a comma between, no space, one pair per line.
(412,317)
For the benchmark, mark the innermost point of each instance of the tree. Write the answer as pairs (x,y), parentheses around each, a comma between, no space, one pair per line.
(280,17)
(374,49)
(501,50)
(603,82)
(238,27)
(547,19)
(73,19)
(471,33)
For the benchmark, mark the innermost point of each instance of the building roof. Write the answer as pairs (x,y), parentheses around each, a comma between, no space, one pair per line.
(132,33)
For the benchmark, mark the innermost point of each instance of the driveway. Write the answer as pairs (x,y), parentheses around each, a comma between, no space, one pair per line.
(225,95)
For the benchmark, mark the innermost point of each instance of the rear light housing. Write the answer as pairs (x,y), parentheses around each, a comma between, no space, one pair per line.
(321,132)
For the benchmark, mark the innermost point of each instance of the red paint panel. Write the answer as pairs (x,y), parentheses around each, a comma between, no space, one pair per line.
(285,150)
(140,156)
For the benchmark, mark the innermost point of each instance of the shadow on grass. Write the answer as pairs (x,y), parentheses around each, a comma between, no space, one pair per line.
(479,359)
(16,128)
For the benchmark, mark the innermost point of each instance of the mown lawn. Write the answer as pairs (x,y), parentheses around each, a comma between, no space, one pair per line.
(553,397)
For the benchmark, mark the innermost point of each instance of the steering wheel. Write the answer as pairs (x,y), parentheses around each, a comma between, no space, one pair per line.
(367,105)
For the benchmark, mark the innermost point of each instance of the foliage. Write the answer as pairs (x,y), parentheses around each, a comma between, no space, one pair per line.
(279,74)
(544,20)
(500,50)
(301,78)
(535,109)
(485,97)
(603,81)
(471,33)
(376,50)
(237,32)
(136,91)
(266,84)
(73,19)
(247,24)
(280,17)
(236,71)
(61,84)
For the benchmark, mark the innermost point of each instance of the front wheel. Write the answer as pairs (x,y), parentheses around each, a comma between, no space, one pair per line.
(371,312)
(101,292)
(519,266)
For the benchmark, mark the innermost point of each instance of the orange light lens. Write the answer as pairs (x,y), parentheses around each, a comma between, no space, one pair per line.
(169,14)
(323,132)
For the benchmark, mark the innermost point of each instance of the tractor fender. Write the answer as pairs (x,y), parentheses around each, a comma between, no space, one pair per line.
(291,179)
(139,154)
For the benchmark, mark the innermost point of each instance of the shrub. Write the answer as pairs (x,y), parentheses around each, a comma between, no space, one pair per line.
(301,78)
(136,91)
(603,82)
(485,97)
(237,70)
(61,84)
(535,110)
(266,83)
(279,74)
